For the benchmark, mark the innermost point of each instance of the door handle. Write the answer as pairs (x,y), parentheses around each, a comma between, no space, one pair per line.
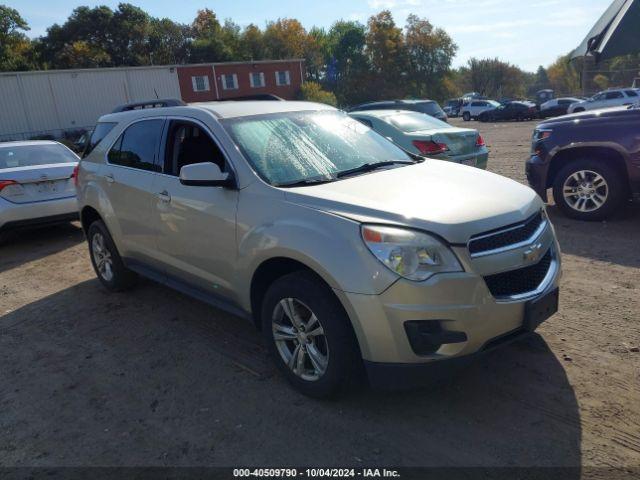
(109,178)
(164,196)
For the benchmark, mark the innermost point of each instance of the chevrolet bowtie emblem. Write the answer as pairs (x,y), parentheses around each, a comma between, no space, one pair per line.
(533,253)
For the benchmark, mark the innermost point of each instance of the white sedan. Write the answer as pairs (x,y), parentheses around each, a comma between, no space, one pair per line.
(36,184)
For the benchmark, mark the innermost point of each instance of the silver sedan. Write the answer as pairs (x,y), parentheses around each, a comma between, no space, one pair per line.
(428,136)
(36,184)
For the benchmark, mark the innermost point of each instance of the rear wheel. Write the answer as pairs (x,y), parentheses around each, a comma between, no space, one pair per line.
(466,116)
(588,190)
(309,335)
(106,260)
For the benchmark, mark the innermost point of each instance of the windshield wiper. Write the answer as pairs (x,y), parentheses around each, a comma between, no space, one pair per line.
(305,182)
(368,167)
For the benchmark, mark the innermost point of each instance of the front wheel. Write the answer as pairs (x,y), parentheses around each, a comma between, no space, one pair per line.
(466,116)
(588,190)
(309,335)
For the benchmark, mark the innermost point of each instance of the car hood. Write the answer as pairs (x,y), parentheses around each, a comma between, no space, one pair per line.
(451,200)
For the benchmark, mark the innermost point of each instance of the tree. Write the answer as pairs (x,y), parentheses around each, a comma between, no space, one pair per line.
(251,43)
(168,42)
(285,38)
(387,54)
(208,44)
(89,25)
(430,52)
(493,78)
(313,92)
(348,69)
(81,54)
(564,76)
(316,53)
(15,47)
(129,30)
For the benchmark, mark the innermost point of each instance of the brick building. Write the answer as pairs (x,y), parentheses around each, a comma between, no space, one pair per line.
(52,102)
(219,81)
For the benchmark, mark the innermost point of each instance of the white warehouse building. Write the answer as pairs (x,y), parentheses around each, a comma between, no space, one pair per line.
(53,101)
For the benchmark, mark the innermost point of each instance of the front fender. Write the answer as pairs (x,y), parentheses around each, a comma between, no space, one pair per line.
(328,244)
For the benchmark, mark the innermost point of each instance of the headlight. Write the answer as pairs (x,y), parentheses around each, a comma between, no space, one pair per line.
(409,253)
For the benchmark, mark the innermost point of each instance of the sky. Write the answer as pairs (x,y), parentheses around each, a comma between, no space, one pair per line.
(527,33)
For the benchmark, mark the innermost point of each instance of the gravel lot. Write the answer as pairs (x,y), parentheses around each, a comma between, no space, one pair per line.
(151,377)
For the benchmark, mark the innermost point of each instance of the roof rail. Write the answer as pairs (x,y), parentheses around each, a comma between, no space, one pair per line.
(159,103)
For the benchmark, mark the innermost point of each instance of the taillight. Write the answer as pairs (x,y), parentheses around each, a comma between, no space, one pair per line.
(74,175)
(430,147)
(480,141)
(6,183)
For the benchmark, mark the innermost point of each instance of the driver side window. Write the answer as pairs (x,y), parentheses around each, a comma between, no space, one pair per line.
(188,143)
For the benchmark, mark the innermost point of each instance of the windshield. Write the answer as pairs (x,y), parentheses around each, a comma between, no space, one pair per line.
(414,122)
(16,156)
(295,146)
(493,103)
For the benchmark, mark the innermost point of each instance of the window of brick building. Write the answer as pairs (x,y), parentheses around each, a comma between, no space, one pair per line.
(230,82)
(200,83)
(283,78)
(257,79)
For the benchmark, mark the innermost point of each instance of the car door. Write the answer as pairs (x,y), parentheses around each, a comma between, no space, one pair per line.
(127,177)
(196,224)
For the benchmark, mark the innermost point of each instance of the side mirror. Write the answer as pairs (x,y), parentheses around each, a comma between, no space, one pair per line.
(206,174)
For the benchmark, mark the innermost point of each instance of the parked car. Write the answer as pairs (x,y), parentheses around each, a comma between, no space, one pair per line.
(471,109)
(608,98)
(343,248)
(589,159)
(424,135)
(556,107)
(430,107)
(36,184)
(452,108)
(515,110)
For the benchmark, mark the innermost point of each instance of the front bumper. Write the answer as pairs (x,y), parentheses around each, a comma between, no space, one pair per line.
(536,169)
(459,303)
(19,215)
(396,376)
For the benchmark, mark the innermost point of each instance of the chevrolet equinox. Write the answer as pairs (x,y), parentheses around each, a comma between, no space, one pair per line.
(350,254)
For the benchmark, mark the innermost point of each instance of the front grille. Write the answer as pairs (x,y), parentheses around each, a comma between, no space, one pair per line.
(522,280)
(505,236)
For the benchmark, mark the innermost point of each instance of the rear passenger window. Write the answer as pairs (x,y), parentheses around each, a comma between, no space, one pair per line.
(137,146)
(611,95)
(631,93)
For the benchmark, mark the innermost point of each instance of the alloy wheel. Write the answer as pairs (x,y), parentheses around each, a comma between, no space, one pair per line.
(585,190)
(102,257)
(299,338)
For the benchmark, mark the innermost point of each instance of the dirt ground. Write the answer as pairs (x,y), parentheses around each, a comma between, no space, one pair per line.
(153,378)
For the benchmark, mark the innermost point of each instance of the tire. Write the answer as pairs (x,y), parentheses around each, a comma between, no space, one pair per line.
(106,260)
(601,197)
(335,349)
(466,116)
